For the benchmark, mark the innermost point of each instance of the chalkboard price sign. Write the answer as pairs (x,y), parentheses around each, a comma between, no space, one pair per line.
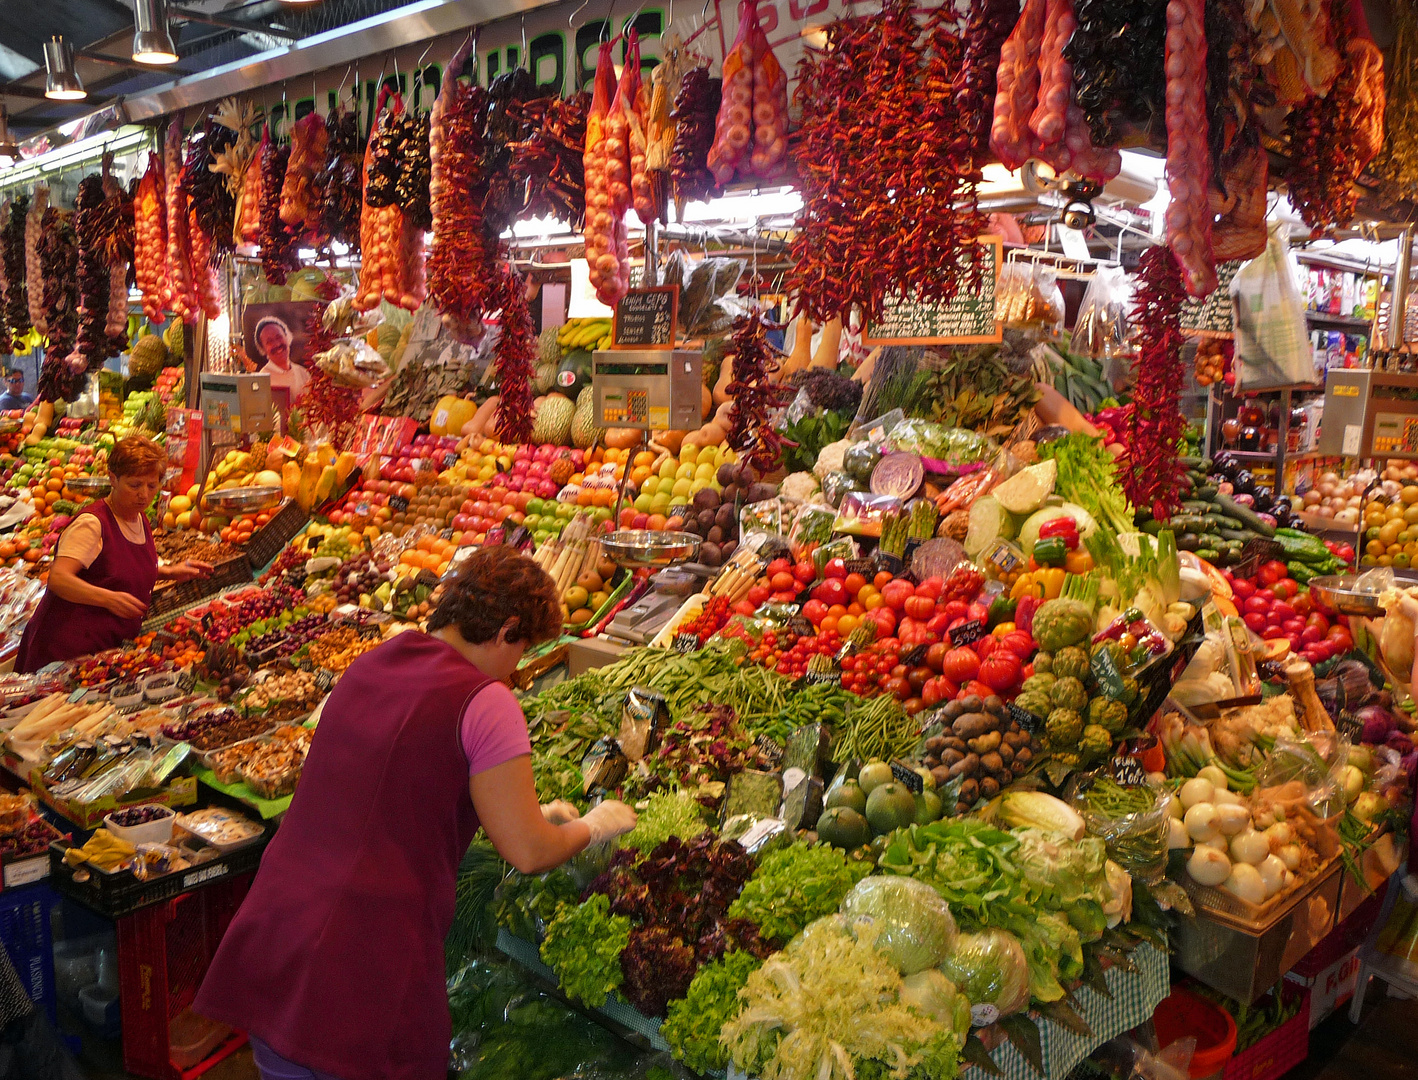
(1212,317)
(969,317)
(646,318)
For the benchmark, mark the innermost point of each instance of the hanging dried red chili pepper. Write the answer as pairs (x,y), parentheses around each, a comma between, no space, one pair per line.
(755,394)
(549,160)
(278,242)
(1150,472)
(59,261)
(17,309)
(516,360)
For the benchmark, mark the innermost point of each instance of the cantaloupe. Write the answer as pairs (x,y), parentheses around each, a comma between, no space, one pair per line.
(266,478)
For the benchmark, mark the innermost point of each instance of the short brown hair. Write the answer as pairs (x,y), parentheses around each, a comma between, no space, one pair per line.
(495,585)
(136,455)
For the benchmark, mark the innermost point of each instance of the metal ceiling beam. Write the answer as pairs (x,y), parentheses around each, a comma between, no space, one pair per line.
(343,45)
(188,15)
(133,65)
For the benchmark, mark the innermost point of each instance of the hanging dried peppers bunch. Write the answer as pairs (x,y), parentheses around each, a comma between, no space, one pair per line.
(1397,162)
(987,25)
(390,244)
(34,225)
(17,305)
(755,394)
(307,154)
(1150,472)
(336,194)
(411,184)
(548,161)
(1334,137)
(93,282)
(381,164)
(458,280)
(278,242)
(503,129)
(59,264)
(516,359)
(208,195)
(1117,58)
(116,224)
(889,189)
(150,239)
(696,106)
(324,404)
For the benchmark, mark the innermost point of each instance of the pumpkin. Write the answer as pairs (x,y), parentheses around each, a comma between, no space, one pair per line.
(487,411)
(706,402)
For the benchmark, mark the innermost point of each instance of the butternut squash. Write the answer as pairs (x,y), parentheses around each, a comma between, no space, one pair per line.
(801,355)
(828,346)
(863,373)
(670,440)
(706,403)
(726,376)
(478,425)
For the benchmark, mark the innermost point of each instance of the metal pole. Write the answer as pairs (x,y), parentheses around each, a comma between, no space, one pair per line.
(1398,302)
(652,253)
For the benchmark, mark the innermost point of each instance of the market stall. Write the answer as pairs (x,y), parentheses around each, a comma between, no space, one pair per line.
(983,547)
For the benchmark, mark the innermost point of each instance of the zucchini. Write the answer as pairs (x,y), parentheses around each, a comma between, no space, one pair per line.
(1152,527)
(1188,542)
(1188,523)
(1202,464)
(1236,535)
(1207,492)
(1196,506)
(1224,521)
(1211,555)
(1197,478)
(1248,517)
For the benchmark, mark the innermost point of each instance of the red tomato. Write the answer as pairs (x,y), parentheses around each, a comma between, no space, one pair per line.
(1293,626)
(1340,637)
(977,688)
(1312,634)
(1272,572)
(1285,589)
(937,690)
(835,568)
(745,607)
(1001,671)
(757,594)
(1302,604)
(1282,610)
(898,688)
(1319,621)
(935,656)
(783,581)
(831,591)
(938,623)
(804,571)
(814,610)
(854,583)
(1257,604)
(960,665)
(918,606)
(986,646)
(1019,643)
(1255,620)
(884,617)
(954,609)
(913,705)
(895,594)
(882,579)
(1243,588)
(778,566)
(930,587)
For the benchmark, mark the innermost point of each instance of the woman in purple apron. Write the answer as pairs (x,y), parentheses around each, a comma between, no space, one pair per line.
(104,566)
(334,964)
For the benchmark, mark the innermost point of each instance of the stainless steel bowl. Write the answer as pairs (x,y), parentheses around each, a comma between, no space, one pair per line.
(646,547)
(95,487)
(1337,591)
(245,500)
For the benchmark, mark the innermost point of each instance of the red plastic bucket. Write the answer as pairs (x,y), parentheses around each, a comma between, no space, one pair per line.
(1183,1013)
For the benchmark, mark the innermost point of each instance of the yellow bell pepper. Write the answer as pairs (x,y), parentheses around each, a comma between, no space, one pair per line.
(1002,629)
(1044,584)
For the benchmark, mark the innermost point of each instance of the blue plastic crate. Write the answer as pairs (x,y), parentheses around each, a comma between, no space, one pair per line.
(25,932)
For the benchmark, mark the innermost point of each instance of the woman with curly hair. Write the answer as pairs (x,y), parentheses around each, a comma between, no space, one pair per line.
(334,964)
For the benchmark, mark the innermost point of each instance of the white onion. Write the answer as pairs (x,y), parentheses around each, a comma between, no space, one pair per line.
(1200,820)
(1249,847)
(1196,790)
(1272,873)
(1174,807)
(1227,798)
(1290,855)
(1232,819)
(1220,842)
(1177,835)
(1215,776)
(1279,834)
(1207,866)
(1245,881)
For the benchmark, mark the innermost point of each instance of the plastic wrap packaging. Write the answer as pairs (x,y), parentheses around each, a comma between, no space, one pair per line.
(1100,329)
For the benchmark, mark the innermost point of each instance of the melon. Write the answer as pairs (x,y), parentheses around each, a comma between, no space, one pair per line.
(552,418)
(584,430)
(267,478)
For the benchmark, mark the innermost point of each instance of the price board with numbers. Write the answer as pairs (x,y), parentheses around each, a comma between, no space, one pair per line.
(645,318)
(968,318)
(1213,316)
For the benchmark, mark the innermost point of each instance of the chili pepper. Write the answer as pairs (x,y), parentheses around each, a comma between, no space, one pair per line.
(1024,616)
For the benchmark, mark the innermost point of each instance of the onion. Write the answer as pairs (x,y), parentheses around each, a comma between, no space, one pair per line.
(1232,820)
(1207,866)
(1290,855)
(1200,820)
(1177,835)
(1272,874)
(1245,881)
(1214,776)
(1249,847)
(1278,835)
(1196,790)
(1174,808)
(1227,798)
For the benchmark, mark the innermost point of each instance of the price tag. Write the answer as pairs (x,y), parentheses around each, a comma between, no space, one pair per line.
(686,642)
(1107,674)
(769,751)
(398,503)
(983,1015)
(1026,720)
(865,567)
(1350,725)
(967,633)
(645,318)
(324,679)
(915,657)
(909,778)
(1128,771)
(370,631)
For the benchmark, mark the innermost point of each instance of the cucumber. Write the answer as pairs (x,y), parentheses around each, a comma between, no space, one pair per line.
(1211,555)
(1196,506)
(1247,517)
(1238,535)
(1152,527)
(1189,523)
(1188,542)
(1223,521)
(1207,492)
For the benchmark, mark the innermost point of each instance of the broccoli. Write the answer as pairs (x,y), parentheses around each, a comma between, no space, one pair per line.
(1071,661)
(1068,693)
(1096,742)
(1112,715)
(1064,728)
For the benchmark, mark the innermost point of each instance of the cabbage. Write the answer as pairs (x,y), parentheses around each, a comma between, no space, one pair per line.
(912,922)
(931,994)
(1055,954)
(990,969)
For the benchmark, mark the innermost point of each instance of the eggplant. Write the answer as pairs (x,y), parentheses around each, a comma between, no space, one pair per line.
(1284,514)
(1244,483)
(1264,497)
(1225,465)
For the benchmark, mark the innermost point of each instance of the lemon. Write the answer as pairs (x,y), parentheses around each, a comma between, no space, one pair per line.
(1409,494)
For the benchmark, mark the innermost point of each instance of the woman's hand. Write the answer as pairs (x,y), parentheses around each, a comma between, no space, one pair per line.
(609,820)
(125,605)
(187,570)
(559,812)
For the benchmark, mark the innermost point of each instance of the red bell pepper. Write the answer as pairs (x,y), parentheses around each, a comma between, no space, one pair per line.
(1064,527)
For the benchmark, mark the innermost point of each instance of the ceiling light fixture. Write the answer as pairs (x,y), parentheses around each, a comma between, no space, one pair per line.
(61,80)
(8,147)
(152,44)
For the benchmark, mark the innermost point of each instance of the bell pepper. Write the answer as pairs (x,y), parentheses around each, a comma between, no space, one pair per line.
(1024,615)
(1042,583)
(1050,551)
(1001,610)
(1078,561)
(1064,528)
(1002,629)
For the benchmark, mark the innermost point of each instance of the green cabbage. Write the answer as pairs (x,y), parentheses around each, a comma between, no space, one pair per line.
(930,993)
(990,969)
(911,921)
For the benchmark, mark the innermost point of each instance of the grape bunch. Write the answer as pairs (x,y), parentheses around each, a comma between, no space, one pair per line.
(335,546)
(360,575)
(286,640)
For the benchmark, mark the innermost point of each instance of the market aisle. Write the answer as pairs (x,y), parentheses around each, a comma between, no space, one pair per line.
(1383,1047)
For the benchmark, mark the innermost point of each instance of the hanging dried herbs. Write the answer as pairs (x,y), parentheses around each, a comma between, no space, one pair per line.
(1397,162)
(1150,472)
(17,305)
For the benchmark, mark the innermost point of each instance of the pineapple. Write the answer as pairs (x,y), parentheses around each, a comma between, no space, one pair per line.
(147,357)
(173,338)
(154,416)
(561,470)
(258,455)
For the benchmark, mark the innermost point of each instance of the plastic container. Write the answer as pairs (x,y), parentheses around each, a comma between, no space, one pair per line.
(222,829)
(192,1037)
(158,831)
(1183,1013)
(1280,1051)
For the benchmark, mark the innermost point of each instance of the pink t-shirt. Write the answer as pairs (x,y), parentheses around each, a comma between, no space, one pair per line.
(493,729)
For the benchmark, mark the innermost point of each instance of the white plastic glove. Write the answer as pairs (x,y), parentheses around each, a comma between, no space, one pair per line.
(609,820)
(559,812)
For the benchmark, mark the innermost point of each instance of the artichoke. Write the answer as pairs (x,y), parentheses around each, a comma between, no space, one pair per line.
(1039,682)
(1110,715)
(1072,661)
(1060,623)
(1063,729)
(1043,662)
(1034,701)
(1130,690)
(1096,742)
(1068,693)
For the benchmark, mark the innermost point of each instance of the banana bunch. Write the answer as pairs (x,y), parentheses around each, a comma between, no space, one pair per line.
(587,334)
(1078,378)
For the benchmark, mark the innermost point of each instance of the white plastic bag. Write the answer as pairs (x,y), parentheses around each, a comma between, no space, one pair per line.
(1272,339)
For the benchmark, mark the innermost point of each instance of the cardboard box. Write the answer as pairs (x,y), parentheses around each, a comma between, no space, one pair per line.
(1332,987)
(588,653)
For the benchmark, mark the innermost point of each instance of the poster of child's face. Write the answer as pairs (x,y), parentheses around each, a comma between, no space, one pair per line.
(275,335)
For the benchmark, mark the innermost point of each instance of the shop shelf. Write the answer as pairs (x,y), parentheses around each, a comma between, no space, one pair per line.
(1342,322)
(27,937)
(163,955)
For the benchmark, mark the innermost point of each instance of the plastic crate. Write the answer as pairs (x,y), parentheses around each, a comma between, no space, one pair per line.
(163,956)
(1281,1050)
(120,894)
(29,941)
(266,542)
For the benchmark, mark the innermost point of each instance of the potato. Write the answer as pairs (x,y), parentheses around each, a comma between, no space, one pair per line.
(985,743)
(992,763)
(974,724)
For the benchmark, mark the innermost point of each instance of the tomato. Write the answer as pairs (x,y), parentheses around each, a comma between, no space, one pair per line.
(937,690)
(872,602)
(898,688)
(883,578)
(1255,620)
(831,591)
(935,656)
(779,566)
(829,622)
(1319,621)
(1302,604)
(918,677)
(955,609)
(975,688)
(930,587)
(1340,637)
(1257,604)
(1272,572)
(1312,634)
(1001,671)
(1285,589)
(1293,626)
(885,618)
(960,665)
(1243,588)
(854,583)
(783,581)
(847,623)
(814,611)
(757,594)
(896,593)
(835,568)
(804,571)
(986,646)
(1019,643)
(1282,610)
(919,607)
(913,705)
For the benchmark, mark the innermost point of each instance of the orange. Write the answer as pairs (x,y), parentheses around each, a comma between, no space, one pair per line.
(585,497)
(645,458)
(55,484)
(837,610)
(425,543)
(829,623)
(656,522)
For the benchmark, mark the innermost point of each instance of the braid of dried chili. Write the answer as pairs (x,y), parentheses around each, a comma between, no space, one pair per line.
(278,243)
(1118,64)
(59,261)
(549,161)
(209,198)
(885,167)
(339,179)
(986,27)
(17,305)
(93,278)
(516,360)
(1150,472)
(755,395)
(696,107)
(325,403)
